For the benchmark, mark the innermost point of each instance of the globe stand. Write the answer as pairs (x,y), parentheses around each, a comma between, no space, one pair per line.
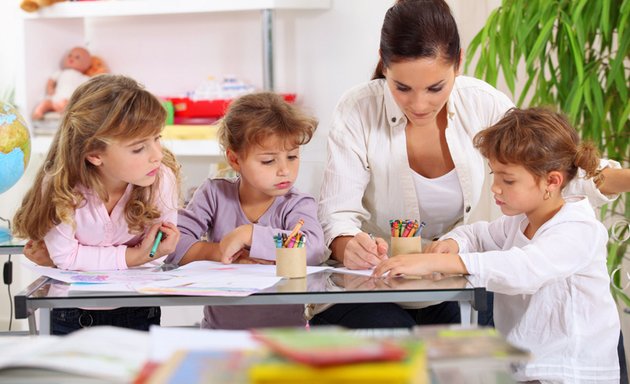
(5,233)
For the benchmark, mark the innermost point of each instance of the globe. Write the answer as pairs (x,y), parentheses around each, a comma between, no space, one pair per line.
(15,150)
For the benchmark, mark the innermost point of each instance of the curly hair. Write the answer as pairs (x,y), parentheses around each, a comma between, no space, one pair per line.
(101,110)
(252,118)
(540,140)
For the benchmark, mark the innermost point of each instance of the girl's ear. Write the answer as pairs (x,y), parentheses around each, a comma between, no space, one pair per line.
(233,160)
(94,158)
(555,180)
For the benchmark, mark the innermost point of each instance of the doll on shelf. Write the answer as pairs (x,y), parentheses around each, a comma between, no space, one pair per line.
(61,85)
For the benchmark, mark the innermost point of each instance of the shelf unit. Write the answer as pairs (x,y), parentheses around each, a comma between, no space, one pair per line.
(208,149)
(67,24)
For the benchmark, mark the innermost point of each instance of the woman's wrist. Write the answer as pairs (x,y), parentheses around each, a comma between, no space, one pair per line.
(338,247)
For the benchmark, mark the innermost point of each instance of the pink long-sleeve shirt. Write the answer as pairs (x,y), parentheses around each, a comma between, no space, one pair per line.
(98,240)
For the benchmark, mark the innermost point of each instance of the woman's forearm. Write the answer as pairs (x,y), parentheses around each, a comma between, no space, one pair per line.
(338,247)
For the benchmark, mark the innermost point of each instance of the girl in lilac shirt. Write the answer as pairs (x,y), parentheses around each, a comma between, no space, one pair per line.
(261,134)
(105,190)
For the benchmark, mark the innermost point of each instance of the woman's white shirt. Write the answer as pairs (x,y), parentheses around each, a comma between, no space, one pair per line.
(368,181)
(440,198)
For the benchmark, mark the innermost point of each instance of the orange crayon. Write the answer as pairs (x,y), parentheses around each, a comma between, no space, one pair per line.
(414,229)
(295,231)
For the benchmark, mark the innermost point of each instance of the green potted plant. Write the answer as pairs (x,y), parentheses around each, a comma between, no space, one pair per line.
(573,54)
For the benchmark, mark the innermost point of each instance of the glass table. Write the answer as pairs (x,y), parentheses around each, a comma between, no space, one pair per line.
(323,287)
(12,247)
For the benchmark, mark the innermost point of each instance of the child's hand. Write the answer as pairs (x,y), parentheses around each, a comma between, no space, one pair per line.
(421,264)
(411,264)
(242,257)
(170,238)
(444,246)
(37,252)
(235,241)
(50,87)
(139,254)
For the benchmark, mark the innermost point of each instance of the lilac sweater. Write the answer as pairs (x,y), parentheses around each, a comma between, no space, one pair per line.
(215,211)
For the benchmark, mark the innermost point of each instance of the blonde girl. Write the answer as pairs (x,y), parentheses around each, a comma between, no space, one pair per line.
(105,190)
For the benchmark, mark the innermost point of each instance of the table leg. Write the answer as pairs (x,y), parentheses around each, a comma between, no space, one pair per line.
(44,321)
(32,323)
(468,315)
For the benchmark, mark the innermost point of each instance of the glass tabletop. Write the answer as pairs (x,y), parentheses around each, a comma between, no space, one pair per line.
(12,246)
(326,281)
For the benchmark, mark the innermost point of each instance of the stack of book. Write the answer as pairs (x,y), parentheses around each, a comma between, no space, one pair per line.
(337,356)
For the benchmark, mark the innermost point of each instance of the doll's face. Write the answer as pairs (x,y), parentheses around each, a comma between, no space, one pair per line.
(78,58)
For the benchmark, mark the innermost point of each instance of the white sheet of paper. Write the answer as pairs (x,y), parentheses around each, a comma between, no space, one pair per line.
(132,275)
(166,340)
(362,272)
(115,354)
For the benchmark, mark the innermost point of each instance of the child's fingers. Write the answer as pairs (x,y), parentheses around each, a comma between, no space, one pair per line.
(152,233)
(171,233)
(169,225)
(381,248)
(380,269)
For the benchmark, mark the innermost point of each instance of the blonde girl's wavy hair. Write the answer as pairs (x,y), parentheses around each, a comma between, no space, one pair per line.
(540,140)
(104,109)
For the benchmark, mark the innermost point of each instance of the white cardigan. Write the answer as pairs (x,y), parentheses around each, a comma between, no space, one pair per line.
(552,293)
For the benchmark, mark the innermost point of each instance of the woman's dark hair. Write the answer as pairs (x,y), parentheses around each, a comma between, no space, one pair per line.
(414,29)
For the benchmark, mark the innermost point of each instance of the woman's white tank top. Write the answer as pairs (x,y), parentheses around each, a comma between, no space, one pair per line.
(441,202)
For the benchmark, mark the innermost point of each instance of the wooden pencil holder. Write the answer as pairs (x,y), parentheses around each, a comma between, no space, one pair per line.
(405,245)
(291,262)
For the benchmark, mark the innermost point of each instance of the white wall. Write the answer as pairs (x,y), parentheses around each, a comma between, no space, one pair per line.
(319,55)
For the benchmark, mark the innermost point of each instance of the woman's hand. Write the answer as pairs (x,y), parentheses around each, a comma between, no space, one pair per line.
(37,252)
(235,241)
(364,252)
(444,246)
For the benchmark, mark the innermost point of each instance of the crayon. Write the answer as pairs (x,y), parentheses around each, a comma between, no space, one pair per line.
(408,228)
(414,229)
(158,238)
(296,229)
(422,225)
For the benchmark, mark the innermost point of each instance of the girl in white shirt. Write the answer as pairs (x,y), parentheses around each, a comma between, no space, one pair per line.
(545,259)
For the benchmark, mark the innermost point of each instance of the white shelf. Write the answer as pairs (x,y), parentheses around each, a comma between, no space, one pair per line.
(208,149)
(107,8)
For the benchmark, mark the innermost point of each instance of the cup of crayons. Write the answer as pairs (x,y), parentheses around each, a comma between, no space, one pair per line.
(406,236)
(291,253)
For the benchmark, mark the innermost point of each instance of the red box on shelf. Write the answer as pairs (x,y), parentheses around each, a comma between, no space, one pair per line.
(187,108)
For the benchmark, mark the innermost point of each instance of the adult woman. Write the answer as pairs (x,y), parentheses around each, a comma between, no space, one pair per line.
(401,147)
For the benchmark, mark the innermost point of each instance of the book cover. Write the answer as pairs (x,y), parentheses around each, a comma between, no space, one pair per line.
(410,370)
(321,346)
(204,366)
